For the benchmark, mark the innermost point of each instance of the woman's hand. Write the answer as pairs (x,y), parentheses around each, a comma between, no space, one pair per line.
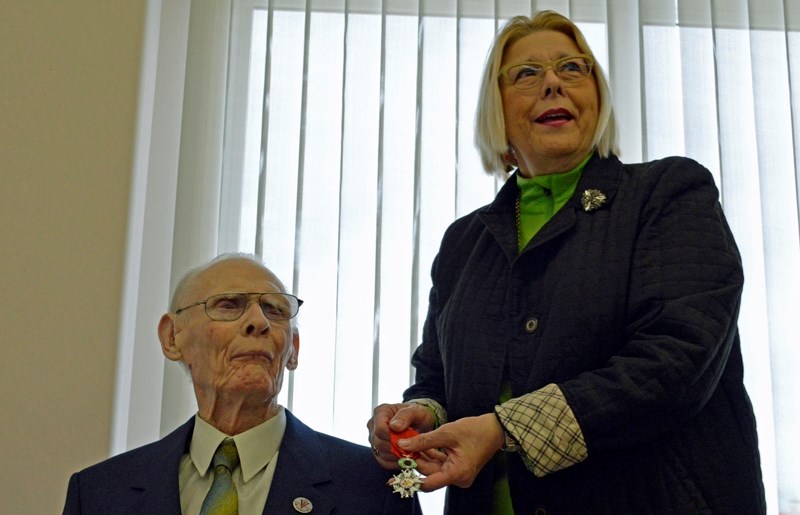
(397,417)
(457,451)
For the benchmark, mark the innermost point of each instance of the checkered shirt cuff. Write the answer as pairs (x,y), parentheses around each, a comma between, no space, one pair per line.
(545,427)
(436,409)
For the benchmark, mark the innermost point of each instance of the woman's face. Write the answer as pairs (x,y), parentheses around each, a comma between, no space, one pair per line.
(551,126)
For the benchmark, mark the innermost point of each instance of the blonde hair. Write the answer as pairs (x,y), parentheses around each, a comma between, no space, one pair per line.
(490,130)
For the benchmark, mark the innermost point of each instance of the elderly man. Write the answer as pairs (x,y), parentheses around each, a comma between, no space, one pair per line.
(231,325)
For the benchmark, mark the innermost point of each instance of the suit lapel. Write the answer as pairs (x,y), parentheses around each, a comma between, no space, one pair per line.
(155,489)
(300,472)
(601,175)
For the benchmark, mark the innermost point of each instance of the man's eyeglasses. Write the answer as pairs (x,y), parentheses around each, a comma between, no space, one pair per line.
(528,75)
(227,307)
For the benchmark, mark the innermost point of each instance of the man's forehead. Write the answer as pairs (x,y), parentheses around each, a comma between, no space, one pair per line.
(235,275)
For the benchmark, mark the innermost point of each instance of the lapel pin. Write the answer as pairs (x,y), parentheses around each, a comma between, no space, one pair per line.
(302,505)
(592,199)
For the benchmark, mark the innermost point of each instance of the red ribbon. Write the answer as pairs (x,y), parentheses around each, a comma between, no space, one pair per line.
(399,451)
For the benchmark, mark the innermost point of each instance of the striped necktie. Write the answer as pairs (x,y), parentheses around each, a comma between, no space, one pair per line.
(222,498)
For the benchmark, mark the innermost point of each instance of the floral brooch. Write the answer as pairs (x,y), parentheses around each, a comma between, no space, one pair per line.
(592,199)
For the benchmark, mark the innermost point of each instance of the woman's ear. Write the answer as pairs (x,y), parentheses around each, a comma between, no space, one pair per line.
(166,334)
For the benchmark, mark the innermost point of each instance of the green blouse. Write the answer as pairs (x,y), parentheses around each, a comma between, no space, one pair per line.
(541,197)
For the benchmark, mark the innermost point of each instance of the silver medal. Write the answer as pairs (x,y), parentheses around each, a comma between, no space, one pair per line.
(408,480)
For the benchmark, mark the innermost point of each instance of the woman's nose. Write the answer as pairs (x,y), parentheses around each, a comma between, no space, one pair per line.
(551,84)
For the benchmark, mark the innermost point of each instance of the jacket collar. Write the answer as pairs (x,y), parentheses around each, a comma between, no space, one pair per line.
(499,217)
(154,476)
(301,471)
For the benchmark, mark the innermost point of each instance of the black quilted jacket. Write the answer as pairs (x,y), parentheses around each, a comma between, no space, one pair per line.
(631,309)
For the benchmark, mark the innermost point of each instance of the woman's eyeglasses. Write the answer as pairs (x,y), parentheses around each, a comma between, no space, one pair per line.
(528,75)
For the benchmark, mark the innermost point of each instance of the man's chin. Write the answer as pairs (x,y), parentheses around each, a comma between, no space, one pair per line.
(252,379)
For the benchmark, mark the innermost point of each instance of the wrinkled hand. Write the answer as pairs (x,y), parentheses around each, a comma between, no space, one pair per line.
(454,453)
(397,417)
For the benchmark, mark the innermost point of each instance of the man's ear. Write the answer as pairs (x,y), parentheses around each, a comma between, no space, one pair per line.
(166,334)
(292,363)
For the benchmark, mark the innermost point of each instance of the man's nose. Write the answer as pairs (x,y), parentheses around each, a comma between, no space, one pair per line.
(256,322)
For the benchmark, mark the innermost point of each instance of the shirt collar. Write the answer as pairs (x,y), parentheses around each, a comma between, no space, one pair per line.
(556,184)
(257,446)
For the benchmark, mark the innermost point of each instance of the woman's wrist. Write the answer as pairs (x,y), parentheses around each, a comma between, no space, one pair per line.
(509,443)
(431,406)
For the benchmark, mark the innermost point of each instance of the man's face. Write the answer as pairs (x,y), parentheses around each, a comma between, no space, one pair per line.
(243,357)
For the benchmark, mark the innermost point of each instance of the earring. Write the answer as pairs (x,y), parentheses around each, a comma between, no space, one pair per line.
(509,157)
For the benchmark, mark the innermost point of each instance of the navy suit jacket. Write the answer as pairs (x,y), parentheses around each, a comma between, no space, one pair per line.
(337,476)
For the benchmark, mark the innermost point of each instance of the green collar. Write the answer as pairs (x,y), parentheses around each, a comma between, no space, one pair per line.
(541,197)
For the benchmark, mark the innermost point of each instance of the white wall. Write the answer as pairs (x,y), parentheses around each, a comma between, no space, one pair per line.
(69,76)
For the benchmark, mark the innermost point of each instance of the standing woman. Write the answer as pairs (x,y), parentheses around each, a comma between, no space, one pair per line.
(584,322)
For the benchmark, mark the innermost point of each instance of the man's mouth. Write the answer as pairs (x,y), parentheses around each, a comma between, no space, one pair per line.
(251,355)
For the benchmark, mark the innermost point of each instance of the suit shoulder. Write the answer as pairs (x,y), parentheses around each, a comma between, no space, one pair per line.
(123,463)
(338,446)
(670,176)
(672,167)
(175,444)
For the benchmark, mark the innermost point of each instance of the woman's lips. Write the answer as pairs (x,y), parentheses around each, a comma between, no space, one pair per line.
(554,117)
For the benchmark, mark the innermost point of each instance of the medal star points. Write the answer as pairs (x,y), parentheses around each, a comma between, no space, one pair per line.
(408,481)
(592,200)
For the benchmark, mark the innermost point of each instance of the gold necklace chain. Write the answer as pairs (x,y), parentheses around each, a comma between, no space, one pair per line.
(518,219)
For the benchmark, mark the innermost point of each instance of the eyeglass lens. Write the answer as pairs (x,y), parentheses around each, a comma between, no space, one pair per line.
(570,69)
(230,306)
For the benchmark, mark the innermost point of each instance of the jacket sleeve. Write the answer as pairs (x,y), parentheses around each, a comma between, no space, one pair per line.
(543,424)
(683,301)
(427,359)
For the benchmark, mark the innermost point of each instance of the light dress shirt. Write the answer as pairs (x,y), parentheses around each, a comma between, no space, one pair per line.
(258,456)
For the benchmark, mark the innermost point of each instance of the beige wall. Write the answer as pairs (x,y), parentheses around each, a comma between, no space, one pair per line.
(69,74)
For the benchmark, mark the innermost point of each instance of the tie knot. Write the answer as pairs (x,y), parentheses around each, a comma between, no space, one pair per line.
(226,455)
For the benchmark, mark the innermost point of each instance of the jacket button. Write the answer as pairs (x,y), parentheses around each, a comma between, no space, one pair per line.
(531,325)
(540,510)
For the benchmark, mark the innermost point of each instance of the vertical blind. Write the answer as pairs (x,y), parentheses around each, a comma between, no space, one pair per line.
(334,139)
